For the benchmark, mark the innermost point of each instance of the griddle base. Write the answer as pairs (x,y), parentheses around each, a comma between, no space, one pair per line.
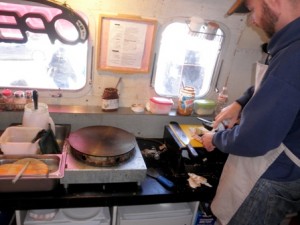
(76,172)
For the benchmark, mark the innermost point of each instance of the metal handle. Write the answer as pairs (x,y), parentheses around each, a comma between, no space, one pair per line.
(35,99)
(165,181)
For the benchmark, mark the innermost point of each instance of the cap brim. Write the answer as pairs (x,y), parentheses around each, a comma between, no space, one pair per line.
(238,7)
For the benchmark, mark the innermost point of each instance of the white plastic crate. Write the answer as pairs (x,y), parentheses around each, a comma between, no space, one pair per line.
(167,214)
(74,216)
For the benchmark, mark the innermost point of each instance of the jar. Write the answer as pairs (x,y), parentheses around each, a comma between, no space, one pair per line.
(8,98)
(186,101)
(28,96)
(19,99)
(211,30)
(110,100)
(221,100)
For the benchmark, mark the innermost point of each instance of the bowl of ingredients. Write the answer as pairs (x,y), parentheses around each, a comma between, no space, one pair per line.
(204,107)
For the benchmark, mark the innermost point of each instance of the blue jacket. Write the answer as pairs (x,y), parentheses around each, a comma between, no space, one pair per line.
(272,115)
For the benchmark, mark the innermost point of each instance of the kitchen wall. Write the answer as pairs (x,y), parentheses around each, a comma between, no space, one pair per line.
(242,51)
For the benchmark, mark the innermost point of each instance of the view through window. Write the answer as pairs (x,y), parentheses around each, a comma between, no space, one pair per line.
(187,58)
(39,62)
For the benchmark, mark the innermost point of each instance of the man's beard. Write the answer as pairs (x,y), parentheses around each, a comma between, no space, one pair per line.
(268,20)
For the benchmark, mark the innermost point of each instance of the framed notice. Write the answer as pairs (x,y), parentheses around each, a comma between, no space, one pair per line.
(125,43)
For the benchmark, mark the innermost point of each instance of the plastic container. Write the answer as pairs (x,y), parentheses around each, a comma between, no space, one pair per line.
(39,117)
(16,140)
(204,107)
(160,105)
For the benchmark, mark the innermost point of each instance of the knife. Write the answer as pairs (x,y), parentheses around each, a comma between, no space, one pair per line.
(181,136)
(209,125)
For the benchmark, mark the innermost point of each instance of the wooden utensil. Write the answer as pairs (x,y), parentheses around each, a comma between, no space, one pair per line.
(18,176)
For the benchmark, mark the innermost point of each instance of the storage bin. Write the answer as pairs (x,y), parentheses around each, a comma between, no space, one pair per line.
(17,140)
(159,105)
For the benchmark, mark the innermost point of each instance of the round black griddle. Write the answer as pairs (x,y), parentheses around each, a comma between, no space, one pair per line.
(102,145)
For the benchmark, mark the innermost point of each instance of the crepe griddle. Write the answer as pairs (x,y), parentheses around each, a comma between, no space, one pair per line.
(102,145)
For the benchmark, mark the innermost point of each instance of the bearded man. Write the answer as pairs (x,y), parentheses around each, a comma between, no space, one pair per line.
(260,182)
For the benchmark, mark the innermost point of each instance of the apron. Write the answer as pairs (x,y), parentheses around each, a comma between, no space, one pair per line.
(240,174)
(260,70)
(237,180)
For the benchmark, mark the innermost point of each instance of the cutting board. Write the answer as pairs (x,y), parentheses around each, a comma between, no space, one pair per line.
(187,130)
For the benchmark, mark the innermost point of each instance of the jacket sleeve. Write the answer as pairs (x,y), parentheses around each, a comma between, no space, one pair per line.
(246,96)
(270,117)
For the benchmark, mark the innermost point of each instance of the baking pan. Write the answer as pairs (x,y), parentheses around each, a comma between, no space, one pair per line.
(56,165)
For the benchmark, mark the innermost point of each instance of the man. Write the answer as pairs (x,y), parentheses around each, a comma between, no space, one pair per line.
(260,182)
(60,69)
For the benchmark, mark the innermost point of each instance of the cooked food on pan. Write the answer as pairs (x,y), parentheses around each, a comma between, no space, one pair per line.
(35,167)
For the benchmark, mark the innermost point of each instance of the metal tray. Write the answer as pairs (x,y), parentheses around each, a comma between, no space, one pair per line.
(56,164)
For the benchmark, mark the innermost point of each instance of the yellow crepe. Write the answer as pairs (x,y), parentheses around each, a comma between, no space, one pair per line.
(35,167)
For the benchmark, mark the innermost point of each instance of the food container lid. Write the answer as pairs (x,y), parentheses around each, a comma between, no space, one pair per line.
(19,94)
(205,103)
(7,92)
(161,100)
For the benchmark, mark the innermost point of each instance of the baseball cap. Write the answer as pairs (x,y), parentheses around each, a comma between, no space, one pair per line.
(238,7)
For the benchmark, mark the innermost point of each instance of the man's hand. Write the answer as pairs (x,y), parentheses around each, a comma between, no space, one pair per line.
(206,140)
(230,114)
